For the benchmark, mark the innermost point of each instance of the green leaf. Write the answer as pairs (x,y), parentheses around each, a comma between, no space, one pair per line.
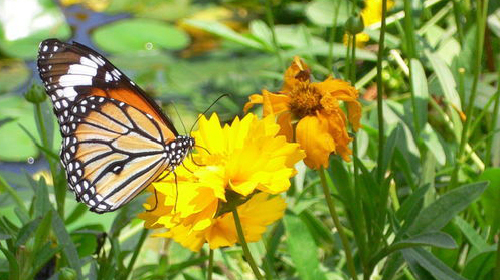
(481,266)
(302,248)
(27,231)
(18,146)
(440,212)
(446,79)
(420,88)
(43,231)
(431,264)
(435,239)
(475,239)
(139,34)
(69,249)
(42,202)
(225,32)
(43,255)
(321,12)
(431,140)
(261,31)
(13,266)
(491,197)
(394,137)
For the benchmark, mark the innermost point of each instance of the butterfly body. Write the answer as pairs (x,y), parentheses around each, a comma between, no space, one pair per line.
(116,140)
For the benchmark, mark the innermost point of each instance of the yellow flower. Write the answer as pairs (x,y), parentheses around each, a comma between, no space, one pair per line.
(371,14)
(245,165)
(314,108)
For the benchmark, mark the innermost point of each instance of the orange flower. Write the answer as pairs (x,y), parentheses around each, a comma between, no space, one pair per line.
(314,108)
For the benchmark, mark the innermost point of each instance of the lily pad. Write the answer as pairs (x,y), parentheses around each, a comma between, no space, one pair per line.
(132,35)
(20,34)
(16,145)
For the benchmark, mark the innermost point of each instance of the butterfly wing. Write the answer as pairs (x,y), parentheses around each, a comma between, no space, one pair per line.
(114,136)
(111,151)
(71,72)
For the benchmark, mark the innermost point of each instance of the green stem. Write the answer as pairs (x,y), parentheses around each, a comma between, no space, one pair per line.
(481,22)
(4,186)
(410,52)
(333,29)
(336,222)
(457,14)
(270,22)
(380,93)
(244,246)
(59,189)
(493,125)
(347,67)
(210,264)
(137,249)
(353,61)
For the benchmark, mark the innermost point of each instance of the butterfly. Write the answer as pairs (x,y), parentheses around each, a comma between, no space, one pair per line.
(115,139)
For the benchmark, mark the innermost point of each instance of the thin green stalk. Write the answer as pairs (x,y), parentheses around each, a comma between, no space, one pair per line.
(4,186)
(336,222)
(481,12)
(352,77)
(410,52)
(380,93)
(137,249)
(347,67)
(210,264)
(59,190)
(331,39)
(493,124)
(244,246)
(270,22)
(458,23)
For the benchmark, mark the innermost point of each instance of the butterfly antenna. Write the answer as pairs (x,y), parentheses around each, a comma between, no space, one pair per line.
(178,115)
(206,110)
(203,148)
(156,205)
(187,168)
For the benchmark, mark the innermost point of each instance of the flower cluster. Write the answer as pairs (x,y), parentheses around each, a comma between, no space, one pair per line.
(310,113)
(243,165)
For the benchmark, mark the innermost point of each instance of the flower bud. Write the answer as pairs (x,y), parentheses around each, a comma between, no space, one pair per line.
(354,25)
(36,94)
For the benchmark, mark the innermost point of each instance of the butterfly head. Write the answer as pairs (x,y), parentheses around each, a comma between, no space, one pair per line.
(178,149)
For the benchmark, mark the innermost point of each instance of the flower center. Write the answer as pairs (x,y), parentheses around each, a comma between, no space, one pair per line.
(304,100)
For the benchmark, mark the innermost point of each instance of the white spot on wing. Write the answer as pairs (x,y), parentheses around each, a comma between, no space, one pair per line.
(82,69)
